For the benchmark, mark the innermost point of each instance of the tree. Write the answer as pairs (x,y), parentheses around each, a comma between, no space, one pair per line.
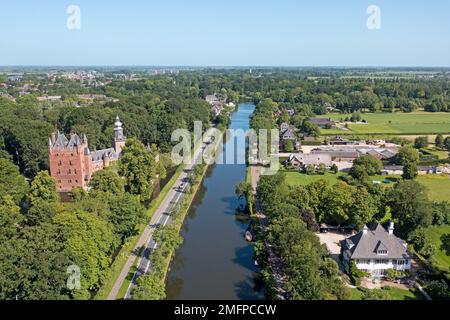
(289,146)
(126,212)
(90,241)
(445,246)
(149,288)
(439,290)
(309,128)
(138,166)
(407,154)
(421,142)
(34,267)
(439,141)
(322,169)
(10,218)
(243,190)
(310,169)
(107,181)
(11,182)
(338,203)
(410,206)
(366,166)
(409,171)
(408,157)
(334,168)
(310,220)
(168,238)
(43,188)
(363,208)
(447,143)
(41,212)
(422,243)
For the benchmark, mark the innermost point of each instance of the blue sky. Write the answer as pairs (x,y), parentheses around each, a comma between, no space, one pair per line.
(226,33)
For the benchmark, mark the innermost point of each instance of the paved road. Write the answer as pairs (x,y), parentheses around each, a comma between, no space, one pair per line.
(160,217)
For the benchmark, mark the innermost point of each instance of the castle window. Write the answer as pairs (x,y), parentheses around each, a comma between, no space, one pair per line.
(70,162)
(75,171)
(71,154)
(59,171)
(59,162)
(70,171)
(70,181)
(76,181)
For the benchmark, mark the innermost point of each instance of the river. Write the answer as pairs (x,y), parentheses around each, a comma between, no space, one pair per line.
(215,261)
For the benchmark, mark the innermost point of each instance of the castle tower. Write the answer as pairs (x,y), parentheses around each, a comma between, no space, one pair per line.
(119,138)
(69,161)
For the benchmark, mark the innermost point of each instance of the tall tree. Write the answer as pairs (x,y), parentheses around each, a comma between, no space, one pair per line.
(11,182)
(410,206)
(138,166)
(43,188)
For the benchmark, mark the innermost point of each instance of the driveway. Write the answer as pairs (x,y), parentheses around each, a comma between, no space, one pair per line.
(331,240)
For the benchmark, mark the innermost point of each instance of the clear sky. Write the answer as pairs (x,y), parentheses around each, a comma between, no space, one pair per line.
(225,33)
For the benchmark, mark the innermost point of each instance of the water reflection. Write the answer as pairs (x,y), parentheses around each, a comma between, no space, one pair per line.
(215,261)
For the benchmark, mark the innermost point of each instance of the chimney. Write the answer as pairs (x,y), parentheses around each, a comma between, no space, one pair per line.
(391,227)
(53,139)
(365,229)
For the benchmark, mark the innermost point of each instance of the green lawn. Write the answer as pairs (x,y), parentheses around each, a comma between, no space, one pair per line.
(395,294)
(297,178)
(438,186)
(440,259)
(395,123)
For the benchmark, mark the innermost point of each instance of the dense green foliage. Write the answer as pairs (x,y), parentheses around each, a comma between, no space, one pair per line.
(43,237)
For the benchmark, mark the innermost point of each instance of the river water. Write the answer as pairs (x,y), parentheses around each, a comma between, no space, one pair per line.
(215,261)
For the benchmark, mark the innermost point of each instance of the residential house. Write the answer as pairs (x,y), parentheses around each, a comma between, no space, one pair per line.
(217,103)
(302,160)
(376,250)
(287,132)
(338,155)
(323,122)
(421,170)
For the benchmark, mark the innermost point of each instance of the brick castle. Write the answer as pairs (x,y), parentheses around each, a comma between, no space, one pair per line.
(72,163)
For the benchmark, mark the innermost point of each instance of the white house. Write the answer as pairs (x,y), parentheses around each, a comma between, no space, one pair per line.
(375,251)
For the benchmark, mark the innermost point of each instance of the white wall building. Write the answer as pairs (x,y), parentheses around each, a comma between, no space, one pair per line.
(375,251)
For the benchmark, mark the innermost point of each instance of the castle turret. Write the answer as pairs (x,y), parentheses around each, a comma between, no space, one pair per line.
(119,138)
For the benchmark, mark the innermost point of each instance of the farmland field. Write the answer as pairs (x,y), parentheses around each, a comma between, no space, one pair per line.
(395,123)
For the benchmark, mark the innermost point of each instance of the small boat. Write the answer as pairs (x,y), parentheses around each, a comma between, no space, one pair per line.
(248,236)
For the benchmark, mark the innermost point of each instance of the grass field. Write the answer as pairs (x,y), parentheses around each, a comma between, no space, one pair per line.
(440,259)
(394,293)
(297,178)
(438,186)
(395,123)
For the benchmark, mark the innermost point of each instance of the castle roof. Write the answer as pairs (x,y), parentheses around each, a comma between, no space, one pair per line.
(99,155)
(61,142)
